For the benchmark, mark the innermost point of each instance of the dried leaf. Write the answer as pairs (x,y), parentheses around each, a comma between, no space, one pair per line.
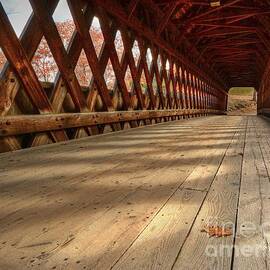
(217,231)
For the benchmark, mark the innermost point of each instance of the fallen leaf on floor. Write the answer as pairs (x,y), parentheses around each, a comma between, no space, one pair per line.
(217,231)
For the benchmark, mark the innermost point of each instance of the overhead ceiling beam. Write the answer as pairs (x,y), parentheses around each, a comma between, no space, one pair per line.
(211,11)
(223,25)
(149,4)
(166,17)
(113,8)
(232,18)
(225,33)
(132,7)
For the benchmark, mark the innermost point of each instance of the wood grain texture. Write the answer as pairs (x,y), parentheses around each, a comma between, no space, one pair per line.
(135,199)
(158,245)
(154,83)
(253,215)
(14,125)
(219,208)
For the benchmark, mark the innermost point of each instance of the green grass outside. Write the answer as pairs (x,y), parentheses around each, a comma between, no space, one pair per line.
(241,91)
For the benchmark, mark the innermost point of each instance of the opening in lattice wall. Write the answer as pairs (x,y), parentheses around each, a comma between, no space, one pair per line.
(64,22)
(2,59)
(83,71)
(177,87)
(109,76)
(149,58)
(163,88)
(119,45)
(129,80)
(143,83)
(96,35)
(167,67)
(18,15)
(44,63)
(174,70)
(155,85)
(136,52)
(159,63)
(171,89)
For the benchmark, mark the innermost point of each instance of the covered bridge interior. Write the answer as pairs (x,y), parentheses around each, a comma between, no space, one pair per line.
(116,150)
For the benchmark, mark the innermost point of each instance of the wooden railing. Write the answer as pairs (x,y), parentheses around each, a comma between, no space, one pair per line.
(175,86)
(15,125)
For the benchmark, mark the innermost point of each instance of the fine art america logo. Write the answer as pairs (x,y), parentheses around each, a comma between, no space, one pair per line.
(245,244)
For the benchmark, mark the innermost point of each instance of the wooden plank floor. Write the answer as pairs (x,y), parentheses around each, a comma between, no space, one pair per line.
(138,199)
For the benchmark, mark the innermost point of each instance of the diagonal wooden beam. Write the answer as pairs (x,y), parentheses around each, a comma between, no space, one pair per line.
(9,84)
(59,53)
(119,73)
(158,77)
(81,25)
(149,78)
(115,9)
(30,43)
(59,91)
(16,55)
(132,66)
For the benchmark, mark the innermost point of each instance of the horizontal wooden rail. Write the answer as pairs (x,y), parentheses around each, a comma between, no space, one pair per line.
(15,125)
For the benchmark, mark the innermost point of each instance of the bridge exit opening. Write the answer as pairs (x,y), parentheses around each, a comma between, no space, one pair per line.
(242,101)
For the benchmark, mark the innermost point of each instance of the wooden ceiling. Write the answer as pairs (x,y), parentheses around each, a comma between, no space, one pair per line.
(227,37)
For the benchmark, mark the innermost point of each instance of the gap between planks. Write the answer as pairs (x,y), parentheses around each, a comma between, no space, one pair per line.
(192,180)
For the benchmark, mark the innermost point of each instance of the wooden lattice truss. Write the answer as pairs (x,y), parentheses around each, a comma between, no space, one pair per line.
(208,50)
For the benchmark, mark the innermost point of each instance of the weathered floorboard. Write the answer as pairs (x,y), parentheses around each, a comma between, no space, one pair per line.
(135,199)
(219,208)
(251,246)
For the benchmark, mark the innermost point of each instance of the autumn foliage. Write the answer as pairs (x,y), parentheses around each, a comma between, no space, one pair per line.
(46,67)
(2,59)
(43,61)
